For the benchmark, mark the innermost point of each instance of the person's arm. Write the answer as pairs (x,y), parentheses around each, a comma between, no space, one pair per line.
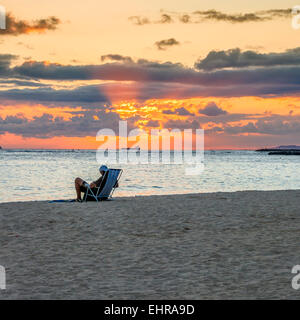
(96,183)
(92,185)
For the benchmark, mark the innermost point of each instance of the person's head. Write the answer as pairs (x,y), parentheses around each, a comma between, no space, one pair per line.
(103,169)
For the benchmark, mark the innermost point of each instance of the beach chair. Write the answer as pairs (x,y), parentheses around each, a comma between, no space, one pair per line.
(106,188)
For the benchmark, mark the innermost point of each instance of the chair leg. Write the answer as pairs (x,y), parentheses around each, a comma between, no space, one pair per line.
(89,191)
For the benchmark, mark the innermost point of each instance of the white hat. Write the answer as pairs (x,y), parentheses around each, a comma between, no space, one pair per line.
(103,168)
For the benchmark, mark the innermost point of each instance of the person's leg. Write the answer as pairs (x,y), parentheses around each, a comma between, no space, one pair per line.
(78,183)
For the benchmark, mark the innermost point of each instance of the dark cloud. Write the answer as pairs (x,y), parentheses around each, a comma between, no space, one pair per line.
(268,127)
(165,18)
(143,79)
(222,117)
(179,111)
(183,112)
(48,126)
(164,44)
(5,62)
(233,18)
(142,70)
(94,95)
(200,16)
(16,27)
(116,57)
(257,16)
(276,13)
(79,95)
(212,110)
(145,71)
(235,58)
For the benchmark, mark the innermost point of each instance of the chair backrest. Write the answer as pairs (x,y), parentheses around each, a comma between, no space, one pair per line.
(110,179)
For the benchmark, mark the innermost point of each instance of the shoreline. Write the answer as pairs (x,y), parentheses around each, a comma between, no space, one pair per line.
(115,197)
(225,245)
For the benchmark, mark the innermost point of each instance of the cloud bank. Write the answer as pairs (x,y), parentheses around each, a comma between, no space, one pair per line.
(231,73)
(235,58)
(47,126)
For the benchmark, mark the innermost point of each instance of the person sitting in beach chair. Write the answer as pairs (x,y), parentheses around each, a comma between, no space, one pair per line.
(102,188)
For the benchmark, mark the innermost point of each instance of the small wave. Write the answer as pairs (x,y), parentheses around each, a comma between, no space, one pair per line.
(23,188)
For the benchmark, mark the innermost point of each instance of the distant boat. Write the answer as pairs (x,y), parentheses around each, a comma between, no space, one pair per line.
(135,149)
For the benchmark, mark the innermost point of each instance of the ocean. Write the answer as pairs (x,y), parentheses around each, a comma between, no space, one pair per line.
(28,175)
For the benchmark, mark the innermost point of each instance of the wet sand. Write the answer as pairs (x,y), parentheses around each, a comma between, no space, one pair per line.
(239,245)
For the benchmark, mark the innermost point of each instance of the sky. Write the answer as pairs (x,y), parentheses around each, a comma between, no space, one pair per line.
(71,68)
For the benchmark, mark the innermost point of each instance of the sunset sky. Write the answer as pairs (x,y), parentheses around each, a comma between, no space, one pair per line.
(70,68)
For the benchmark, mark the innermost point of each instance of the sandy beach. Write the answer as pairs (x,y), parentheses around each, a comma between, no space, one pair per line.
(239,245)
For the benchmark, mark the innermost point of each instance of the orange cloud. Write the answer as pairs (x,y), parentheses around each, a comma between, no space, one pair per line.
(242,125)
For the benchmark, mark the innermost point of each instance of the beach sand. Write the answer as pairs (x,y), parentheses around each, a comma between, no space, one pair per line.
(239,245)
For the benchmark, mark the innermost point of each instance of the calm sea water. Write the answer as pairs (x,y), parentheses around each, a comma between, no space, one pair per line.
(42,175)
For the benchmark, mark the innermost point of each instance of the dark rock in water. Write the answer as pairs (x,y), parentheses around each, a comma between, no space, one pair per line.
(290,148)
(265,150)
(285,153)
